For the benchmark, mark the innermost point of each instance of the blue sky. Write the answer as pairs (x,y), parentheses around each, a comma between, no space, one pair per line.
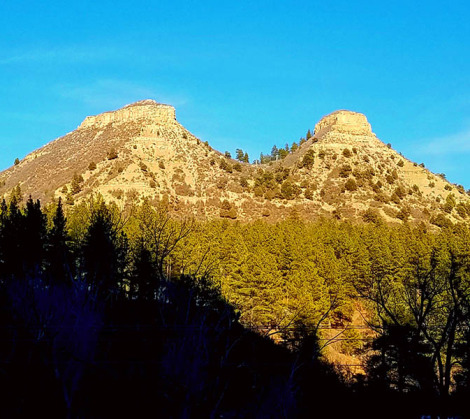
(245,75)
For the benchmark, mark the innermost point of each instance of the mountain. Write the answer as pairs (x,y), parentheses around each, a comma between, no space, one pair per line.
(140,150)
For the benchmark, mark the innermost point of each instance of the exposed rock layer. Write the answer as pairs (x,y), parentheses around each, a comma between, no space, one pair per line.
(145,109)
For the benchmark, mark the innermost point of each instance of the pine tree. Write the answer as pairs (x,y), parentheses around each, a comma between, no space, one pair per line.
(100,262)
(274,152)
(143,278)
(58,253)
(33,236)
(76,187)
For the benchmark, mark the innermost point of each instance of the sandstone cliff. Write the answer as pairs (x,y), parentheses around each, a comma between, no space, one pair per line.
(140,150)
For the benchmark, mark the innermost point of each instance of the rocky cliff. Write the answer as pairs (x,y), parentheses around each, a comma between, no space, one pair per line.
(141,151)
(145,110)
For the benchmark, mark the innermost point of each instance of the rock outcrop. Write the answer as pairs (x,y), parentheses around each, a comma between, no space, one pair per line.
(144,109)
(141,151)
(344,127)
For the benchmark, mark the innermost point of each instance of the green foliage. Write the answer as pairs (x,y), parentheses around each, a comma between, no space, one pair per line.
(345,170)
(17,161)
(225,165)
(283,153)
(371,215)
(308,159)
(449,204)
(76,187)
(289,189)
(441,220)
(92,166)
(16,195)
(412,285)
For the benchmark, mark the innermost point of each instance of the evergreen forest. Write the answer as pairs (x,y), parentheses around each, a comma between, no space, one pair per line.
(117,312)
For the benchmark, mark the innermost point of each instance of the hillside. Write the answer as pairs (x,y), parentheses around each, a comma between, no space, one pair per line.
(342,171)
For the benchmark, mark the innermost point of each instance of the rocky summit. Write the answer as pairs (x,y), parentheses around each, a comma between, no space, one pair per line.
(141,151)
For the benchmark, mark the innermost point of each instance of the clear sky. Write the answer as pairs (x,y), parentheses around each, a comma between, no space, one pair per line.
(244,74)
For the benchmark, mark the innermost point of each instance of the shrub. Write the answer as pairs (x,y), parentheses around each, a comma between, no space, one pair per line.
(441,221)
(228,210)
(270,194)
(347,153)
(308,193)
(345,171)
(308,160)
(448,187)
(224,165)
(92,166)
(461,210)
(400,191)
(449,204)
(350,185)
(287,190)
(403,214)
(400,163)
(237,167)
(380,197)
(371,216)
(161,165)
(17,161)
(258,191)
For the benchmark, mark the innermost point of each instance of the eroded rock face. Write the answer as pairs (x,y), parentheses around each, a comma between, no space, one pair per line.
(345,122)
(144,109)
